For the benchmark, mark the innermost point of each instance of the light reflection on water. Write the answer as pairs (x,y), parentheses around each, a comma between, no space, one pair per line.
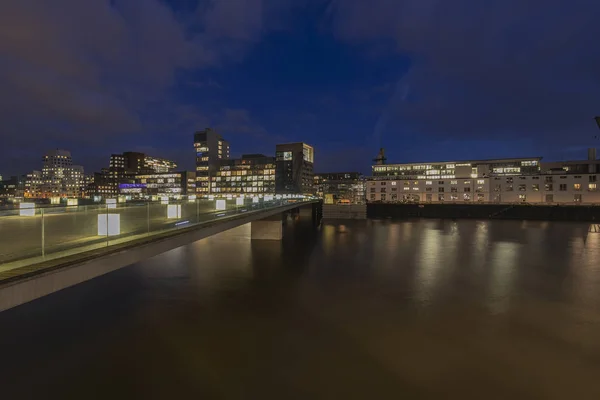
(359,309)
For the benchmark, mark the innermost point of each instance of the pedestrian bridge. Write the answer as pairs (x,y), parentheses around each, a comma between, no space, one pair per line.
(43,250)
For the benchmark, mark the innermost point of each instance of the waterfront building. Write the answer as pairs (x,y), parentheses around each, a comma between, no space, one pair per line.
(160,184)
(340,187)
(251,174)
(12,189)
(210,149)
(294,168)
(58,177)
(525,180)
(159,164)
(123,170)
(33,185)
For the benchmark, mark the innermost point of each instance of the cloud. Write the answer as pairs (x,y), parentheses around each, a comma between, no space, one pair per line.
(79,73)
(504,68)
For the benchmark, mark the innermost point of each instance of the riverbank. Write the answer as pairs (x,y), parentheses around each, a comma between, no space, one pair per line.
(485,211)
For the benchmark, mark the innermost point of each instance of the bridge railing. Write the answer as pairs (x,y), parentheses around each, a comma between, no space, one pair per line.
(32,236)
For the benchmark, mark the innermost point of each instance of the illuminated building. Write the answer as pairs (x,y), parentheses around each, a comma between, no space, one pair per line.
(294,168)
(210,149)
(12,189)
(58,177)
(168,184)
(159,164)
(33,185)
(253,173)
(340,187)
(514,180)
(123,169)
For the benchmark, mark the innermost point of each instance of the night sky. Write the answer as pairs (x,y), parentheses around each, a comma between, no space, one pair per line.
(426,79)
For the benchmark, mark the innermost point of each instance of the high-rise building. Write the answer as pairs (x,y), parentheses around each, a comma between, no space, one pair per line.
(210,148)
(253,173)
(59,177)
(294,168)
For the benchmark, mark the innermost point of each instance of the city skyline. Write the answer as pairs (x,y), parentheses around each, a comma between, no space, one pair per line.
(348,77)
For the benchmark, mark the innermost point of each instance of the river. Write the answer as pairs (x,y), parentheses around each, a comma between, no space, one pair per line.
(354,310)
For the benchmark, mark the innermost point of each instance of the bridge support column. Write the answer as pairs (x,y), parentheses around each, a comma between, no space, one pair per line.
(306,211)
(267,229)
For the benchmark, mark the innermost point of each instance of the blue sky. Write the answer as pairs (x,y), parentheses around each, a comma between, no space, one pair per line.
(426,79)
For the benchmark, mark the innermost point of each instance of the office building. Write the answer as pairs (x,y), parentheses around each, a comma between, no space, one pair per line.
(340,187)
(160,184)
(33,185)
(294,168)
(210,149)
(159,165)
(123,169)
(251,174)
(12,189)
(525,180)
(58,177)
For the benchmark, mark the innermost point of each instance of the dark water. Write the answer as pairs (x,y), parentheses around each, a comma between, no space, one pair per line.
(368,310)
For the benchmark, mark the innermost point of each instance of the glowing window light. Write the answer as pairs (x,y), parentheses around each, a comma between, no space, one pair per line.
(255,199)
(268,198)
(109,224)
(192,197)
(164,200)
(174,211)
(239,201)
(72,202)
(27,209)
(220,205)
(111,203)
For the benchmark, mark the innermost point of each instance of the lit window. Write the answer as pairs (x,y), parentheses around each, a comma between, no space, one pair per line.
(577,186)
(592,187)
(393,183)
(429,183)
(480,182)
(454,182)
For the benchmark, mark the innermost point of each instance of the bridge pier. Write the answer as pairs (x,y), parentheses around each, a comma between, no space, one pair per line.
(270,228)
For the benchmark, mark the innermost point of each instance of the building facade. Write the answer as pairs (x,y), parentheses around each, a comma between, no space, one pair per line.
(58,177)
(517,180)
(340,187)
(294,168)
(160,184)
(123,170)
(210,149)
(251,174)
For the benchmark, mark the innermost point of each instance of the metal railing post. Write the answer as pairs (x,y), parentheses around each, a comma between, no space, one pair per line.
(43,235)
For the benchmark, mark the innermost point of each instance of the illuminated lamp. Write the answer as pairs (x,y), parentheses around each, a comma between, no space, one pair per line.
(174,211)
(109,224)
(27,209)
(111,203)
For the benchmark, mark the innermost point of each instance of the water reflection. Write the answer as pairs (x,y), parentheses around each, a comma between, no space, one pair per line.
(358,309)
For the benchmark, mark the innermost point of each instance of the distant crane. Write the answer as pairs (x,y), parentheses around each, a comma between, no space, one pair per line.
(380,159)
